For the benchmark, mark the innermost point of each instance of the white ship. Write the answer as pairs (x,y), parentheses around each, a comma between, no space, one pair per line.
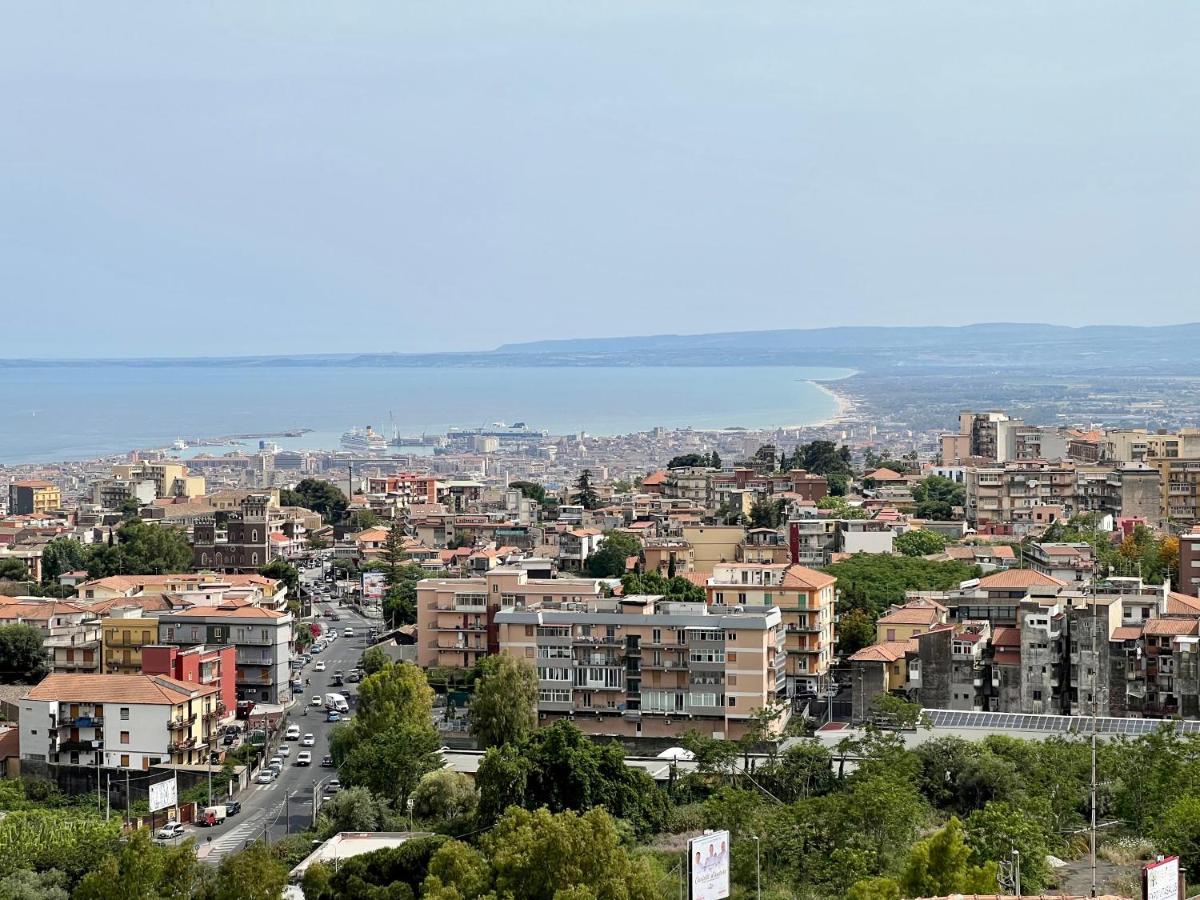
(364,440)
(179,445)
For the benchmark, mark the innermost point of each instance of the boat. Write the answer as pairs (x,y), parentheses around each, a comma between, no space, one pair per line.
(515,431)
(364,440)
(179,445)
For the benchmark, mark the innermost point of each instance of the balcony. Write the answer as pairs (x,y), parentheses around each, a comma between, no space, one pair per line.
(78,746)
(182,723)
(180,746)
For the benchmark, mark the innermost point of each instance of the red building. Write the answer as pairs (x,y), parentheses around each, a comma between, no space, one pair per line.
(215,666)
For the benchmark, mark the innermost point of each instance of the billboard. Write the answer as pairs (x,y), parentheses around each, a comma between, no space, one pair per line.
(162,795)
(708,866)
(373,585)
(1160,880)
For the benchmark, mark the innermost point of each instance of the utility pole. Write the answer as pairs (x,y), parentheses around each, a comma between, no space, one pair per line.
(1017,870)
(210,778)
(1095,665)
(757,867)
(108,797)
(128,819)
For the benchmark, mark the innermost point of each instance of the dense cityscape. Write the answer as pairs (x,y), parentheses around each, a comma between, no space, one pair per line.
(375,649)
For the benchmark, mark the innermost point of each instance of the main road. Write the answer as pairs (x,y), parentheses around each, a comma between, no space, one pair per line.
(285,806)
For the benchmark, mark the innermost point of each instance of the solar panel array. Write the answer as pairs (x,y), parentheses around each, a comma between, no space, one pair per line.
(997,721)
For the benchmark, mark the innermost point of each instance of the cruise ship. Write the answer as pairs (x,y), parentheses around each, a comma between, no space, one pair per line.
(498,430)
(364,440)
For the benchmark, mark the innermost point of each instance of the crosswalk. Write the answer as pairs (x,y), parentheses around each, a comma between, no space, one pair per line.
(234,839)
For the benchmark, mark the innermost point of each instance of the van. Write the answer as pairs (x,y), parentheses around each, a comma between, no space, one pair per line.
(212,815)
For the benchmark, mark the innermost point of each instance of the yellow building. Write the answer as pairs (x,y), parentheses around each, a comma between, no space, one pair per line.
(900,623)
(34,497)
(123,635)
(713,544)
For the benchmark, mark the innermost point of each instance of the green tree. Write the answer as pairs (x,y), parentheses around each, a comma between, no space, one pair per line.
(396,694)
(23,658)
(714,460)
(322,497)
(457,871)
(504,707)
(895,712)
(446,797)
(60,556)
(354,809)
(840,509)
(874,581)
(940,865)
(502,778)
(388,874)
(997,829)
(916,542)
(876,888)
(362,519)
(373,660)
(282,570)
(530,490)
(143,871)
(855,631)
(584,494)
(142,548)
(29,885)
(766,513)
(677,589)
(609,560)
(13,570)
(543,856)
(937,496)
(1177,831)
(251,874)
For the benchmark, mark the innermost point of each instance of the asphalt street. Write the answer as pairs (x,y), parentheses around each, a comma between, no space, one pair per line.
(286,805)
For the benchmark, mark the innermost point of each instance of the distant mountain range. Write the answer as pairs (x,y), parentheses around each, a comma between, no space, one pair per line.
(1052,349)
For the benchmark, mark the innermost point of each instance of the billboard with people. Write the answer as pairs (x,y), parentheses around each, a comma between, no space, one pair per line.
(163,794)
(708,866)
(373,586)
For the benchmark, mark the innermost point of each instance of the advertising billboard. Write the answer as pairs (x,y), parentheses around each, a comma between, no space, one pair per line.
(162,795)
(1160,880)
(373,586)
(708,866)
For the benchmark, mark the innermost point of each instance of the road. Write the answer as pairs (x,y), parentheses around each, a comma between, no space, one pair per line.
(286,805)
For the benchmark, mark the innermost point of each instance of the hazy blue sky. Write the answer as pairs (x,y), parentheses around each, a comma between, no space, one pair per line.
(194,178)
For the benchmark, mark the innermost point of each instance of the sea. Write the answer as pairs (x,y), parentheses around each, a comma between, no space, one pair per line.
(89,411)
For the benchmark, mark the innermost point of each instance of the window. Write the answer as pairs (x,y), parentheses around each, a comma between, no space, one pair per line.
(656,636)
(124,737)
(733,701)
(125,760)
(554,696)
(124,713)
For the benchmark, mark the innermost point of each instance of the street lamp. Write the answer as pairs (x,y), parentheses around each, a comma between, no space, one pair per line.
(757,867)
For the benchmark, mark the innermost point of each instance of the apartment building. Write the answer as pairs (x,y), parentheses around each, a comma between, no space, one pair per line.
(1189,563)
(1019,493)
(33,497)
(70,633)
(905,621)
(145,482)
(689,483)
(125,631)
(188,589)
(118,721)
(261,637)
(1140,445)
(406,488)
(1066,562)
(669,556)
(456,616)
(1179,489)
(641,666)
(808,602)
(203,665)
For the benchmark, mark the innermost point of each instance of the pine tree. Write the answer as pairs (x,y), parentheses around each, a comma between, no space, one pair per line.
(585,495)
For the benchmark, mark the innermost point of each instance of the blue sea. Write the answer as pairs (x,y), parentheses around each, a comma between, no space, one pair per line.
(60,413)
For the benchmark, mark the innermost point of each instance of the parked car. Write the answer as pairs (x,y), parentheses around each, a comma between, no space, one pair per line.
(308,741)
(284,750)
(229,740)
(266,776)
(169,832)
(304,758)
(232,807)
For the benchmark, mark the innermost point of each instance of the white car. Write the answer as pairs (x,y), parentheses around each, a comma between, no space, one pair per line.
(285,751)
(308,741)
(169,831)
(304,758)
(319,666)
(349,632)
(317,701)
(293,733)
(266,776)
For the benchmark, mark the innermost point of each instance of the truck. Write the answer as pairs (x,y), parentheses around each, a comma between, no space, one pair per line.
(336,702)
(212,815)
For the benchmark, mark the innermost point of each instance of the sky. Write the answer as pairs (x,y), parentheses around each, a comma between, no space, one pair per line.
(182,179)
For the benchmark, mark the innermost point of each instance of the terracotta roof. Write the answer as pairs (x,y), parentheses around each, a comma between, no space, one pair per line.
(698,578)
(1007,657)
(885,475)
(146,602)
(915,613)
(126,582)
(33,483)
(655,478)
(372,534)
(1006,636)
(1019,578)
(1126,633)
(888,651)
(799,576)
(153,689)
(1182,603)
(38,611)
(1167,626)
(228,612)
